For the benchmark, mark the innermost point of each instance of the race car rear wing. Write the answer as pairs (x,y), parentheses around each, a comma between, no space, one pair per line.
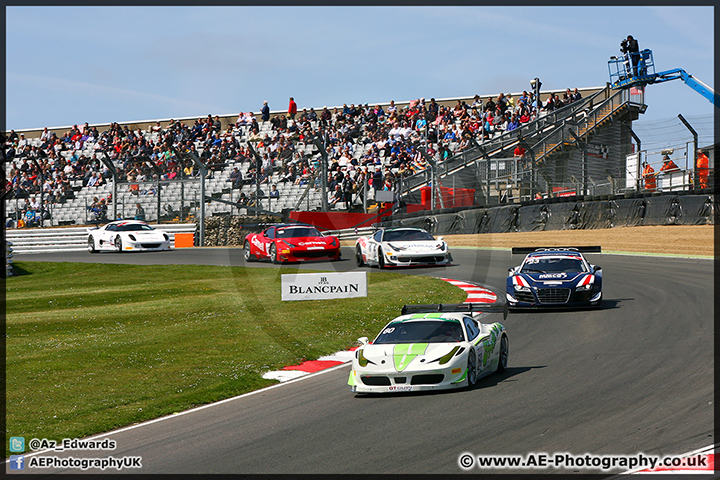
(526,250)
(456,308)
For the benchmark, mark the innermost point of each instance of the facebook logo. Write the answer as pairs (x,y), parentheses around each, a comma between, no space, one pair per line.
(17,462)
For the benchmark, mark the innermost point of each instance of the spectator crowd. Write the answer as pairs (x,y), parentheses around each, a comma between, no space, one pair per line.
(389,139)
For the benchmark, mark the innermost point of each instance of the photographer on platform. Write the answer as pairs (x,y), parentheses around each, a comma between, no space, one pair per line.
(631,50)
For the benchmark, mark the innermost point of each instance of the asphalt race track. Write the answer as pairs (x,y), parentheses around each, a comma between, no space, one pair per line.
(636,376)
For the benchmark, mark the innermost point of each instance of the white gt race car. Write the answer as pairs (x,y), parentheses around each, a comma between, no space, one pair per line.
(127,236)
(438,347)
(401,247)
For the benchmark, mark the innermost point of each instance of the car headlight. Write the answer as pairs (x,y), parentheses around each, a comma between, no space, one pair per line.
(333,242)
(520,288)
(396,247)
(285,243)
(362,361)
(446,358)
(166,237)
(581,288)
(441,246)
(132,237)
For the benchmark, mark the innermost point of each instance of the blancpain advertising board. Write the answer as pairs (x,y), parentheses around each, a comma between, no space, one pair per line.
(324,286)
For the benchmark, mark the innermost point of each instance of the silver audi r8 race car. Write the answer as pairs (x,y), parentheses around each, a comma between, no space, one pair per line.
(554,277)
(127,236)
(401,247)
(431,347)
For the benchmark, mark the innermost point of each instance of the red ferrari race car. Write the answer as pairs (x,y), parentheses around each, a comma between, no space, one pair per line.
(291,243)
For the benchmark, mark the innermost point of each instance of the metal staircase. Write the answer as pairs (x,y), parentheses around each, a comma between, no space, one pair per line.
(544,137)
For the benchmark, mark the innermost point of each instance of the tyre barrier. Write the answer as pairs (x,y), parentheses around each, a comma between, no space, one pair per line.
(568,215)
(8,259)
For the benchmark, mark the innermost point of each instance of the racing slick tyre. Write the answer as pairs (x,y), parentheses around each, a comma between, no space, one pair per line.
(273,254)
(358,256)
(118,244)
(472,368)
(249,257)
(91,245)
(503,356)
(381,259)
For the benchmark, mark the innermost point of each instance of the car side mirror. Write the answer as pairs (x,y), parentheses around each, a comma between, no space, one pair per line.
(439,239)
(363,341)
(597,268)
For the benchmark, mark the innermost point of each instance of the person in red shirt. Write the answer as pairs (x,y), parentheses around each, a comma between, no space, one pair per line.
(292,109)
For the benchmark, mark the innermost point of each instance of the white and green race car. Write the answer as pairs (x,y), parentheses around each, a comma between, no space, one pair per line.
(431,347)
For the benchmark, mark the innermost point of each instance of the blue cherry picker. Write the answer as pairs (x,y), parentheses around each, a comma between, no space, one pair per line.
(638,69)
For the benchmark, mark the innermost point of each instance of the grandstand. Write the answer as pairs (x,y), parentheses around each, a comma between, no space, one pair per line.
(578,147)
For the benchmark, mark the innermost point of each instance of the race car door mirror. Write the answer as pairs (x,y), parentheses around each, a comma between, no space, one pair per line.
(597,268)
(363,341)
(439,239)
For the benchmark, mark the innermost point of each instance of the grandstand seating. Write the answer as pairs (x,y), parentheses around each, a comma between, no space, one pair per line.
(177,196)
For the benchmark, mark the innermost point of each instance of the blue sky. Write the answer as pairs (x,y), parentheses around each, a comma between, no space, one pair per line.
(70,65)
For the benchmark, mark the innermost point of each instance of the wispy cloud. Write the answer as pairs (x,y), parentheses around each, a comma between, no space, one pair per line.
(91,92)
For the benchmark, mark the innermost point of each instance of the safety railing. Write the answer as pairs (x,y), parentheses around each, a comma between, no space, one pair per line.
(537,134)
(580,123)
(48,240)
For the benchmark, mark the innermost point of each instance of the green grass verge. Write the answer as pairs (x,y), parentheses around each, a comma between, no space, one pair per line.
(93,347)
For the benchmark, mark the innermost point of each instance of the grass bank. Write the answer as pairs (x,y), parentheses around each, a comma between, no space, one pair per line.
(92,347)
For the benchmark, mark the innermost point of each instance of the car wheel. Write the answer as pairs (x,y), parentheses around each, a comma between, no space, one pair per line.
(358,256)
(91,245)
(472,368)
(249,257)
(273,254)
(503,355)
(381,259)
(118,244)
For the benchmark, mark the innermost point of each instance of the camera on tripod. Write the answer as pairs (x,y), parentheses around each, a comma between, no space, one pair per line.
(624,46)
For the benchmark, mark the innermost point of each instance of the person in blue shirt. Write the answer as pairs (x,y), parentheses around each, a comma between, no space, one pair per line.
(513,123)
(265,111)
(420,124)
(396,148)
(450,136)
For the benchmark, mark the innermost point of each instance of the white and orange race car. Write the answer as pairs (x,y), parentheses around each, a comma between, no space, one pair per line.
(127,236)
(401,247)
